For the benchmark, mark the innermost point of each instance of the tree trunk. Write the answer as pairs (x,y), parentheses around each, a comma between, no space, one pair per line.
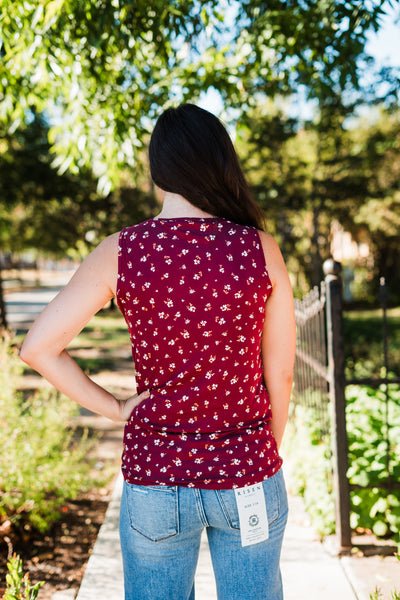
(3,314)
(316,260)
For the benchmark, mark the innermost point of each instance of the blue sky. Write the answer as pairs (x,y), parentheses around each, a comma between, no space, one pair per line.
(385,45)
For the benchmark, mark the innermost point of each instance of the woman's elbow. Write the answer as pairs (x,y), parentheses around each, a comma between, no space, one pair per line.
(30,354)
(26,354)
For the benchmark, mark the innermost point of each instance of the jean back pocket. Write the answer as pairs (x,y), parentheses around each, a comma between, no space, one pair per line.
(153,510)
(275,501)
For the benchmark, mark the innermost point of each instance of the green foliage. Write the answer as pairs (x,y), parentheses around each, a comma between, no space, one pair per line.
(107,334)
(44,461)
(363,338)
(34,194)
(99,73)
(311,43)
(291,177)
(310,462)
(18,584)
(305,176)
(309,459)
(373,155)
(377,595)
(374,508)
(106,68)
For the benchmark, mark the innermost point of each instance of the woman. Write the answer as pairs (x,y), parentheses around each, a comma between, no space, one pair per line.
(209,309)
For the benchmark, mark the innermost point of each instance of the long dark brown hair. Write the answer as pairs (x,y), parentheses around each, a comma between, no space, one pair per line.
(191,154)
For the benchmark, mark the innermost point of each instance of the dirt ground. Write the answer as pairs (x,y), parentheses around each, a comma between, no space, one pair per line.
(59,557)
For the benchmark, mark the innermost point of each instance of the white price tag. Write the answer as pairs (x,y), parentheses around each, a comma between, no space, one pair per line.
(252,514)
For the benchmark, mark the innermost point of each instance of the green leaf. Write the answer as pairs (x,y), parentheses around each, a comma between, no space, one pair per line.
(380,506)
(380,528)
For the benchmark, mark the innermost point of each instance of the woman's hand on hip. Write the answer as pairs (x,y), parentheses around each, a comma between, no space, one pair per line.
(126,406)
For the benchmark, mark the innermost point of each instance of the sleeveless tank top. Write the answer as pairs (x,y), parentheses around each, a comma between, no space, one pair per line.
(193,294)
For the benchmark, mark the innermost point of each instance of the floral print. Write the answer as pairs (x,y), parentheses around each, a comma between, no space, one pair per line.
(193,294)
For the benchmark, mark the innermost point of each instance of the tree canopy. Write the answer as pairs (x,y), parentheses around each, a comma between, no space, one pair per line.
(101,70)
(81,82)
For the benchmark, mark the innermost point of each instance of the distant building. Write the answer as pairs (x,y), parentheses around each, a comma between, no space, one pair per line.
(351,254)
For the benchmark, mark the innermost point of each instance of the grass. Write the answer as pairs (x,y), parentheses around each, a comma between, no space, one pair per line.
(363,336)
(100,344)
(106,331)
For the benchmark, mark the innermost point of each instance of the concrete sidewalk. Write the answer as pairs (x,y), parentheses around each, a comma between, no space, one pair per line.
(309,572)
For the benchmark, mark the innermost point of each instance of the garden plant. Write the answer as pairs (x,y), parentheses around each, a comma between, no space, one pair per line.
(373,446)
(44,458)
(18,584)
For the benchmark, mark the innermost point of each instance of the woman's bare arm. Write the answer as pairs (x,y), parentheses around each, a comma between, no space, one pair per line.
(279,337)
(44,348)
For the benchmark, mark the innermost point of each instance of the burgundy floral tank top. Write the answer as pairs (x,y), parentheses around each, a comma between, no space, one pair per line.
(193,294)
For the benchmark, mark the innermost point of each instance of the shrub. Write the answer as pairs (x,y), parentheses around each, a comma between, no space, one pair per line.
(374,507)
(309,455)
(44,461)
(363,342)
(18,584)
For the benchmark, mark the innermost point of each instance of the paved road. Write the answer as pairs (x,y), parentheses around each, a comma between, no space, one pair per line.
(24,306)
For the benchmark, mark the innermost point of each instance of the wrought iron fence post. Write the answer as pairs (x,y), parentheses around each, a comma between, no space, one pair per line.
(336,375)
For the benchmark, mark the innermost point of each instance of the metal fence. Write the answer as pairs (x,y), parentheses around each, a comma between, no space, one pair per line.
(311,377)
(320,383)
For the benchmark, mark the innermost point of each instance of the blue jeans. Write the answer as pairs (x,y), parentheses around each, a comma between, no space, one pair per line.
(160,530)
